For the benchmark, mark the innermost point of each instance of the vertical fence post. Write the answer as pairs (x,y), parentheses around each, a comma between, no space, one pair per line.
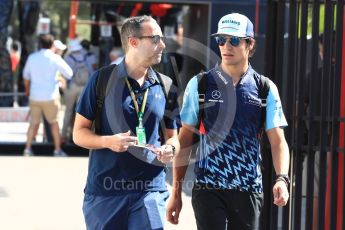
(73,18)
(341,189)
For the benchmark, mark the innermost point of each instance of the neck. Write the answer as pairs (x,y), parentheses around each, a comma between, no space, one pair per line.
(135,69)
(235,71)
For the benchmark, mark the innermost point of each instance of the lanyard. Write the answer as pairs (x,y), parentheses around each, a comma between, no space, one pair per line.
(141,112)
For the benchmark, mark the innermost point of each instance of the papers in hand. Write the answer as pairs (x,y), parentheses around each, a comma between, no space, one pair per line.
(152,148)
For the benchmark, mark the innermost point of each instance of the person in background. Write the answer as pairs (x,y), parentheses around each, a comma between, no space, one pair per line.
(15,59)
(14,55)
(41,86)
(116,56)
(58,47)
(82,63)
(91,56)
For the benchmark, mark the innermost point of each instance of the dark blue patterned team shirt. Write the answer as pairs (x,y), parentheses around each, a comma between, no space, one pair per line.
(228,155)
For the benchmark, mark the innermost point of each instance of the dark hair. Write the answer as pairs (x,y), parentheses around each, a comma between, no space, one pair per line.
(46,41)
(85,44)
(252,51)
(132,28)
(15,46)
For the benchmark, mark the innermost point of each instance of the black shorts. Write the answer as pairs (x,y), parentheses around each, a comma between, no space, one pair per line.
(217,209)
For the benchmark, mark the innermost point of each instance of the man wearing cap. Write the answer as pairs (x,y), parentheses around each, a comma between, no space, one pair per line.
(58,47)
(76,59)
(228,191)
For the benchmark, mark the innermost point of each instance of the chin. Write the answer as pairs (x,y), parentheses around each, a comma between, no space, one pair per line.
(156,60)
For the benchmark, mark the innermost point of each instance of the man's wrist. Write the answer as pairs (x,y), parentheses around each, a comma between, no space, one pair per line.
(173,148)
(283,177)
(176,192)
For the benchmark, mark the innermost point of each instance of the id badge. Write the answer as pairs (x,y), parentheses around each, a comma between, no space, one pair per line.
(141,136)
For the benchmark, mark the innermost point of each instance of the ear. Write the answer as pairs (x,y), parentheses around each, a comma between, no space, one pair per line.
(133,42)
(252,44)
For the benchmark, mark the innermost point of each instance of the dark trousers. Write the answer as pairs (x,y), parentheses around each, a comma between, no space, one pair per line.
(220,209)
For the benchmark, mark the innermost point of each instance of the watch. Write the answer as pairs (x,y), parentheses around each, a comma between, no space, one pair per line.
(285,178)
(173,149)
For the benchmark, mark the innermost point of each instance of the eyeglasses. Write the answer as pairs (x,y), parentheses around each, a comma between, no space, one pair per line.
(234,41)
(155,38)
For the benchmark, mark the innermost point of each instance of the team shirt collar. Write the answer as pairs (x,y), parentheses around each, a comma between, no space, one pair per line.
(225,77)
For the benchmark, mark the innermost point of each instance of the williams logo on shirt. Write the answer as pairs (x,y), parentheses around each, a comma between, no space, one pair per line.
(248,99)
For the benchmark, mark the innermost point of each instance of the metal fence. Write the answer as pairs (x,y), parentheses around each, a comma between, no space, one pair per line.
(304,47)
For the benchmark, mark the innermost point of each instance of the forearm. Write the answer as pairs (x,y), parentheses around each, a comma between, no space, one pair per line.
(85,138)
(179,173)
(281,157)
(181,161)
(180,165)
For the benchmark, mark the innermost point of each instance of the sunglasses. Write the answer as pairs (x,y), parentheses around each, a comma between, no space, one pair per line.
(155,38)
(234,41)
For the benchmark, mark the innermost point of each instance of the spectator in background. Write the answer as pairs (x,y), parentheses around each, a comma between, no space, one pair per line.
(14,55)
(82,64)
(116,56)
(41,86)
(58,47)
(91,56)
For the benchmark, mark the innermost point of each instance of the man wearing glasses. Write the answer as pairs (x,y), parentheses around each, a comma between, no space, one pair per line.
(228,192)
(125,186)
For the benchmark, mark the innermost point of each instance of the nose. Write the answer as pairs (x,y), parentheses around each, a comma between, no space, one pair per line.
(228,43)
(162,44)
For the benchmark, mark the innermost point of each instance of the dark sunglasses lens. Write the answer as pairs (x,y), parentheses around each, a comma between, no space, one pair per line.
(235,41)
(156,39)
(221,40)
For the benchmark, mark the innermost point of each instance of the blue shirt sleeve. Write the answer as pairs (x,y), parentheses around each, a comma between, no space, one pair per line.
(86,105)
(274,112)
(190,107)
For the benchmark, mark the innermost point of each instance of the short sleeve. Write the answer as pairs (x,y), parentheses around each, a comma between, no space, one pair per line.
(86,105)
(274,112)
(190,107)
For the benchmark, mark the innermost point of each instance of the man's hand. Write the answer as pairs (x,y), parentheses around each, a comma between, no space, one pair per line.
(165,154)
(280,193)
(120,142)
(174,208)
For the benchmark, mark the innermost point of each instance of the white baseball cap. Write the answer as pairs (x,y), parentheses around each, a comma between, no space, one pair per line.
(74,45)
(235,25)
(59,45)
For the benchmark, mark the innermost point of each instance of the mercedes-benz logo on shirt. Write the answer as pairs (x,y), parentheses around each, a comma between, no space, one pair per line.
(216,94)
